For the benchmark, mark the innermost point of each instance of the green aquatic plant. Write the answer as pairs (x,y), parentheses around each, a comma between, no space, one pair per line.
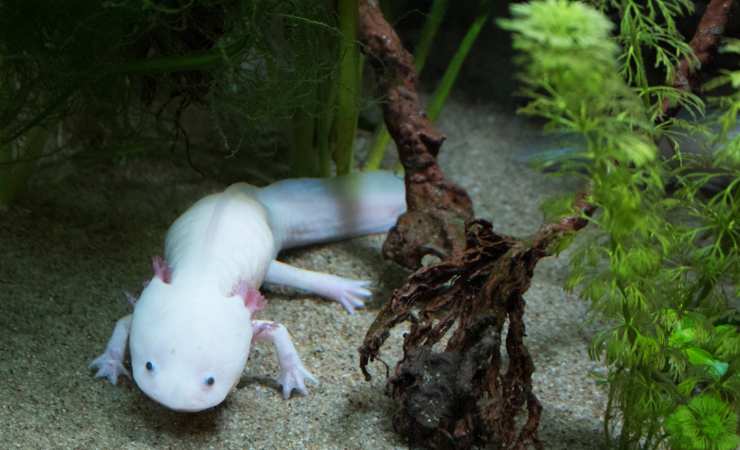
(706,422)
(660,266)
(119,76)
(651,46)
(324,130)
(348,87)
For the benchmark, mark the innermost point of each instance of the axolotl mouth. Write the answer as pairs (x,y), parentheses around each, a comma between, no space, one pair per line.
(180,387)
(189,405)
(183,400)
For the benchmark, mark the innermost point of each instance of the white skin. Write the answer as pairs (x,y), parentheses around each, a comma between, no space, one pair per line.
(192,327)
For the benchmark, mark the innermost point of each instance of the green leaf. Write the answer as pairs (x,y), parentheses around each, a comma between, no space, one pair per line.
(681,337)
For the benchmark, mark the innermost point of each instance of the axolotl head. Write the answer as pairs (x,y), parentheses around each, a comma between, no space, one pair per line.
(188,346)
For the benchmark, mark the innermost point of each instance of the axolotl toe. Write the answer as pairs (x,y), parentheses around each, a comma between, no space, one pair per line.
(192,327)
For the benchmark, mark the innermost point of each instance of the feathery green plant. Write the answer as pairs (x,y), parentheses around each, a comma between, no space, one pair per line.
(649,37)
(130,69)
(661,270)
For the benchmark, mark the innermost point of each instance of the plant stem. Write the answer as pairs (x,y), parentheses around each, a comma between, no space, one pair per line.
(216,56)
(377,152)
(453,70)
(324,126)
(348,92)
(303,157)
(431,26)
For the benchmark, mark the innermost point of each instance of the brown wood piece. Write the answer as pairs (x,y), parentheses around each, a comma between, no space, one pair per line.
(704,43)
(437,208)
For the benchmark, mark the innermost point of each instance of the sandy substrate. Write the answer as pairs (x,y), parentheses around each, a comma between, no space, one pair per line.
(83,235)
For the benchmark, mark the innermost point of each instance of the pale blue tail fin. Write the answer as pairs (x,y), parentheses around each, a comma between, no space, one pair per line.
(310,210)
(552,153)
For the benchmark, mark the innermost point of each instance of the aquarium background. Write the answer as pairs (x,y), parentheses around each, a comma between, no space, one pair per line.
(84,229)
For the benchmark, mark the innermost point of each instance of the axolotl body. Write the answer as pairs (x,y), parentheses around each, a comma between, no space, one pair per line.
(192,327)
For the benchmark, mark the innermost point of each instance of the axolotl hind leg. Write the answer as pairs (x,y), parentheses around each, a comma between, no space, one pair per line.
(293,374)
(349,293)
(110,363)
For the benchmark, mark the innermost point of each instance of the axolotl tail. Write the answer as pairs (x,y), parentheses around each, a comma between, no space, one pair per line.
(304,211)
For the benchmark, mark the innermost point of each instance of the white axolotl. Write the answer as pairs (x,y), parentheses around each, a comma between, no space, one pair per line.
(191,329)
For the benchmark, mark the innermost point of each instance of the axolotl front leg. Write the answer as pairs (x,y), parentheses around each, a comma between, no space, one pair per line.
(110,363)
(292,372)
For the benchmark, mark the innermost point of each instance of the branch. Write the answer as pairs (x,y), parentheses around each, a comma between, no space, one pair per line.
(551,232)
(705,41)
(437,208)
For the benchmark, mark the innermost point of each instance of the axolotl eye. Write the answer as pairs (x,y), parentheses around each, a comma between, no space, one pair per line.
(149,366)
(210,381)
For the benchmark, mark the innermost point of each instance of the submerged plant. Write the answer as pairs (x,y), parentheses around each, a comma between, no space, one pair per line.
(118,77)
(706,422)
(662,266)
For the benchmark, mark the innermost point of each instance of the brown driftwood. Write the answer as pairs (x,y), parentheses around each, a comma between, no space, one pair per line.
(437,208)
(468,393)
(703,43)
